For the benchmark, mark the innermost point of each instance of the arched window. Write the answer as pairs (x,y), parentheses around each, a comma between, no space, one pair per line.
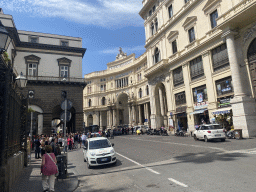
(147,90)
(156,24)
(152,28)
(157,55)
(103,101)
(89,103)
(140,93)
(131,80)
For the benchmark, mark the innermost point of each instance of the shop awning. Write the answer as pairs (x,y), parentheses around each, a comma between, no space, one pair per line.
(222,111)
(198,111)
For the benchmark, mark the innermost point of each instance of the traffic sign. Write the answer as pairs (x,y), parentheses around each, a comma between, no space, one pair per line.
(69,105)
(68,116)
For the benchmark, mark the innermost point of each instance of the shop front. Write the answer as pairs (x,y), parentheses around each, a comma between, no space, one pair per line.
(200,113)
(181,118)
(223,114)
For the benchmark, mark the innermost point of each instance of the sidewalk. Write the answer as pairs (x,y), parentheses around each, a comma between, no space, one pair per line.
(30,179)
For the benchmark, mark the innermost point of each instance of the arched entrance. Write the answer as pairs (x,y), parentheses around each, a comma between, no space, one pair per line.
(89,120)
(57,125)
(37,119)
(122,110)
(161,105)
(251,54)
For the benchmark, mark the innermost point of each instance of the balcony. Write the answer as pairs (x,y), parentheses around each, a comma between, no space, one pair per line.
(56,80)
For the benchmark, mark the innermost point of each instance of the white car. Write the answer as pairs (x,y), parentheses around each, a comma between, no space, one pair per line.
(99,151)
(209,132)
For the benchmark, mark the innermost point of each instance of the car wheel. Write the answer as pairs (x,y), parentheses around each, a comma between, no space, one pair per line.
(88,165)
(195,138)
(206,139)
(223,140)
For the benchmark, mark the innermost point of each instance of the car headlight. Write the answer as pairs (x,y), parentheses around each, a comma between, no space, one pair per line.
(92,154)
(112,151)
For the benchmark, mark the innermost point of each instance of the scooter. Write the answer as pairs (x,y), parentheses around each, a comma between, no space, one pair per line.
(230,134)
(179,133)
(164,133)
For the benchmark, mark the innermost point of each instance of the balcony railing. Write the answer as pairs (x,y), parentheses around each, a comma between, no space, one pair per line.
(56,79)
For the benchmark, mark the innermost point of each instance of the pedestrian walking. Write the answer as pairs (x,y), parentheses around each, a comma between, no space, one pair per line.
(70,142)
(37,148)
(83,139)
(48,169)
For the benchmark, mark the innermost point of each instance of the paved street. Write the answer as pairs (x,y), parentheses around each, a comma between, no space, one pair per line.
(156,163)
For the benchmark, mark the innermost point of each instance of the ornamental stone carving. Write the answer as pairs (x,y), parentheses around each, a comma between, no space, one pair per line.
(249,33)
(157,79)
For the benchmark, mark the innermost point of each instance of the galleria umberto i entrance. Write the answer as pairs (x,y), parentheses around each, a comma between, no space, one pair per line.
(198,67)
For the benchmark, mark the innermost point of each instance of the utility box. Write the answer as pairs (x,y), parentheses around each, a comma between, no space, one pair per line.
(62,166)
(238,133)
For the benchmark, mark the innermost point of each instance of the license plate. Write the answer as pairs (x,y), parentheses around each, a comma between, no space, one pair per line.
(104,159)
(218,135)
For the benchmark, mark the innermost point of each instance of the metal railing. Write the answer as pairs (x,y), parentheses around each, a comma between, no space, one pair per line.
(56,79)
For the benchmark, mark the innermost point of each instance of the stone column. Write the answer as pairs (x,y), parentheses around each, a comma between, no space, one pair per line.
(130,116)
(161,101)
(117,117)
(140,115)
(114,118)
(243,106)
(189,98)
(111,118)
(101,126)
(133,115)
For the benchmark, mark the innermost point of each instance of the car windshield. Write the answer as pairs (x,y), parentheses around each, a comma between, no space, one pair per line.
(214,127)
(98,144)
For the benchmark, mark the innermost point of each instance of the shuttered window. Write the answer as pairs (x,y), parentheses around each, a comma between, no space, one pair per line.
(180,98)
(220,57)
(196,68)
(178,76)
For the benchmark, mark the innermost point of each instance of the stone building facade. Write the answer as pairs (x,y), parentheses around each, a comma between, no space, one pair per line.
(199,67)
(51,64)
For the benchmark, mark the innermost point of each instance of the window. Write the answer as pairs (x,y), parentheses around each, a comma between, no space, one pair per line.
(152,28)
(174,46)
(170,11)
(220,57)
(139,76)
(103,87)
(89,90)
(178,76)
(32,69)
(154,8)
(196,68)
(89,103)
(63,71)
(103,101)
(200,94)
(224,86)
(157,55)
(180,98)
(150,13)
(187,1)
(147,90)
(191,34)
(156,24)
(213,17)
(140,93)
(33,39)
(64,43)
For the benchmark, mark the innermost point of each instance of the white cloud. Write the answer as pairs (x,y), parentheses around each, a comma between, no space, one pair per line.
(106,13)
(127,50)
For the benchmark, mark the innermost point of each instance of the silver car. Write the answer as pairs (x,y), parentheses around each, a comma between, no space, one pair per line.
(208,132)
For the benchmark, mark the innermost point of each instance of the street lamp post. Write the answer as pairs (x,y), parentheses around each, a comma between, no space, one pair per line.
(5,39)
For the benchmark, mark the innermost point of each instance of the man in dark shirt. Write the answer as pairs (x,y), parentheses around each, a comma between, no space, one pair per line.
(37,148)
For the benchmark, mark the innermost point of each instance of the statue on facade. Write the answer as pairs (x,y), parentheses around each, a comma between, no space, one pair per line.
(121,53)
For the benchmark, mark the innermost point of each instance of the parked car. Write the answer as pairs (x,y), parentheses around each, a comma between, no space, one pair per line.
(209,132)
(99,151)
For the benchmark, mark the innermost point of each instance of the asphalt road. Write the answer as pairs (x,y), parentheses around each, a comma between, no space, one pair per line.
(169,163)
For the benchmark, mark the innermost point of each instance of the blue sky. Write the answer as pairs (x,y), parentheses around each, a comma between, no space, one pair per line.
(104,25)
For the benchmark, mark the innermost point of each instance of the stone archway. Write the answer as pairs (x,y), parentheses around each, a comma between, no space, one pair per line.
(37,119)
(251,55)
(89,120)
(161,105)
(122,110)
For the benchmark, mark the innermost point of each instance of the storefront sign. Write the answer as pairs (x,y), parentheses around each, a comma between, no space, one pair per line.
(224,102)
(226,89)
(201,105)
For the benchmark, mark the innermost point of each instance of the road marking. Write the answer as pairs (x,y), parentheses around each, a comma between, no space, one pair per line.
(151,170)
(177,182)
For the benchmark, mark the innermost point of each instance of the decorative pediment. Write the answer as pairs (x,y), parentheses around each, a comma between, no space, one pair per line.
(210,6)
(32,58)
(172,35)
(189,22)
(64,61)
